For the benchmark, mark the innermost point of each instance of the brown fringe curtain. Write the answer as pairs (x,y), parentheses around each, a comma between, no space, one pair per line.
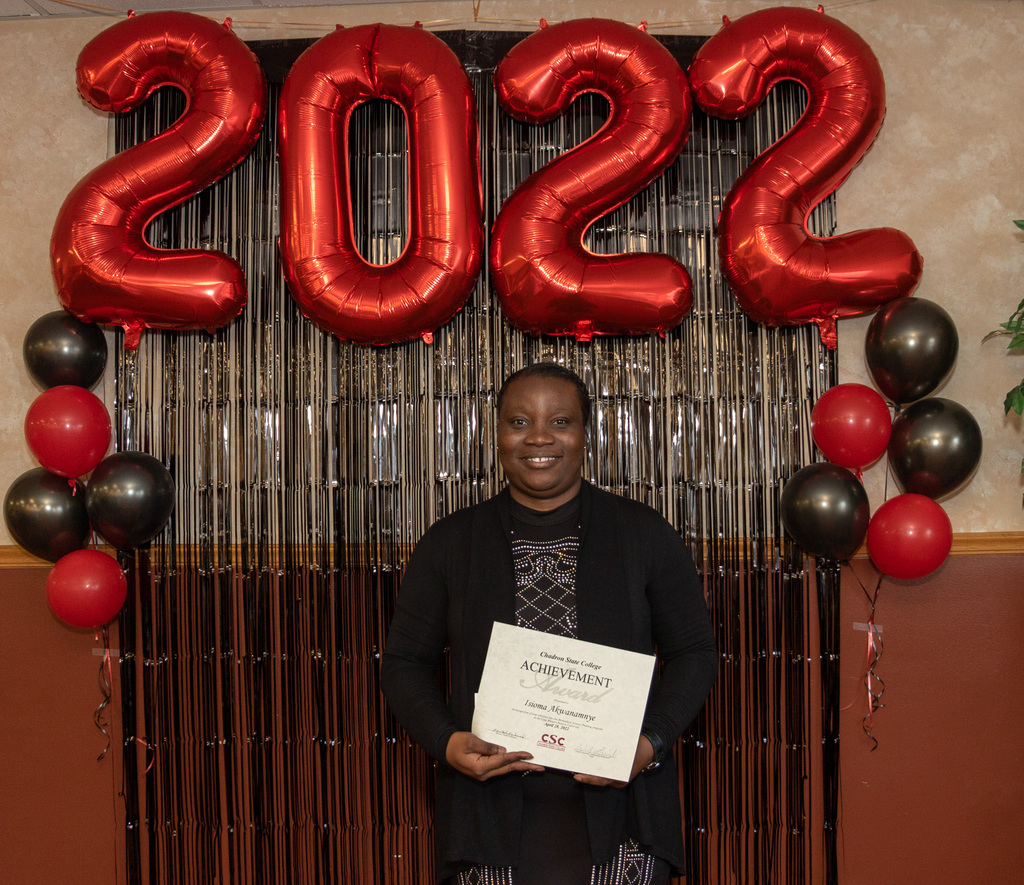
(257,746)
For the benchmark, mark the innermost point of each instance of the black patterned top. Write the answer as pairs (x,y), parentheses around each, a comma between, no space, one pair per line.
(545,548)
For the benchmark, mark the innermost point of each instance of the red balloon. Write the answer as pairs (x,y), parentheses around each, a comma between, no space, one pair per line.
(909,537)
(104,269)
(68,430)
(86,588)
(545,278)
(851,425)
(334,285)
(780,274)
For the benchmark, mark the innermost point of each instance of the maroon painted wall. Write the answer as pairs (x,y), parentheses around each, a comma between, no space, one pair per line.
(57,814)
(941,800)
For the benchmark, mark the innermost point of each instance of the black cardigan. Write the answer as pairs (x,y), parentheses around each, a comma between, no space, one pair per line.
(636,588)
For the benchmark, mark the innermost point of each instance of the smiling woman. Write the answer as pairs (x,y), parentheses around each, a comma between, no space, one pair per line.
(554,554)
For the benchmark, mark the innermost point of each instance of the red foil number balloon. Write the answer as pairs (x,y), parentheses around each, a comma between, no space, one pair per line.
(104,269)
(333,284)
(547,281)
(780,274)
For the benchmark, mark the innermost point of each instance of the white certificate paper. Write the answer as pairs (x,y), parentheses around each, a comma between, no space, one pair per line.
(574,705)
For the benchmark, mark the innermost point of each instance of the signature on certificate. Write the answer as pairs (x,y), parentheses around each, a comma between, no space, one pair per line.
(596,752)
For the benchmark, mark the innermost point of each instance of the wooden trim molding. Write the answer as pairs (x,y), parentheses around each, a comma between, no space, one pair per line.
(976,544)
(12,556)
(965,544)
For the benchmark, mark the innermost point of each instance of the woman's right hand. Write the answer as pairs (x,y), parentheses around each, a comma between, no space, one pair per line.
(478,759)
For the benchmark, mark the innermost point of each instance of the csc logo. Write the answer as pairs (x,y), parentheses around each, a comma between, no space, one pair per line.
(552,739)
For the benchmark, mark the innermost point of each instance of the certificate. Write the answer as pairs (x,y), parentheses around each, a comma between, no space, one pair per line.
(574,705)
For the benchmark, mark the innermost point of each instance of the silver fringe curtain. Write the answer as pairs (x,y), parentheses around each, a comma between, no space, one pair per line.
(257,746)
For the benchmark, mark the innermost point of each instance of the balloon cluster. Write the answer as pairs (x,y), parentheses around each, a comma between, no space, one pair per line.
(49,510)
(933,446)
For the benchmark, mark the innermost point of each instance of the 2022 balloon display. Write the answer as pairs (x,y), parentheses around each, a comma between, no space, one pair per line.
(547,282)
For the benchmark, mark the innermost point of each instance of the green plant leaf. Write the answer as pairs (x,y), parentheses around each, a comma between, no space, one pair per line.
(1015,399)
(1017,343)
(1020,223)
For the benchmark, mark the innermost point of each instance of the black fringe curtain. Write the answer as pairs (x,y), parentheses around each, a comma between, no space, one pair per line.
(257,748)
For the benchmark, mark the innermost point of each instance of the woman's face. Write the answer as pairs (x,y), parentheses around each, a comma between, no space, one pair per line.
(541,441)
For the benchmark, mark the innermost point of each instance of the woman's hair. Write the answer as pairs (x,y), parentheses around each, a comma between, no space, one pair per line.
(550,370)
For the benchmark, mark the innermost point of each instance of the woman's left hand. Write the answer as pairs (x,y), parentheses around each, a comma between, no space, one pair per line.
(641,759)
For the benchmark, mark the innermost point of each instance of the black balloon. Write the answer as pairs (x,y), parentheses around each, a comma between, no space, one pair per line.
(61,349)
(45,515)
(935,447)
(910,347)
(130,497)
(825,510)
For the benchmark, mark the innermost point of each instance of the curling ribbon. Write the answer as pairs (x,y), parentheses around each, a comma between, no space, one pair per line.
(871,678)
(150,751)
(105,684)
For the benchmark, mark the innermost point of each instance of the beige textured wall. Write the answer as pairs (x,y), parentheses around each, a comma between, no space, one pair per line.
(945,169)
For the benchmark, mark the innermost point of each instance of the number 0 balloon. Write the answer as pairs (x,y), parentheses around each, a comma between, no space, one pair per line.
(333,284)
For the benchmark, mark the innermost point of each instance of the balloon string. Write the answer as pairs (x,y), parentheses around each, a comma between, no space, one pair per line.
(875,686)
(105,688)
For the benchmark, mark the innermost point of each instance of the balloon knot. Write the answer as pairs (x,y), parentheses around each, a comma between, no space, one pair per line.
(643,25)
(428,337)
(227,23)
(725,21)
(74,487)
(131,13)
(132,335)
(829,335)
(821,8)
(583,330)
(418,24)
(543,23)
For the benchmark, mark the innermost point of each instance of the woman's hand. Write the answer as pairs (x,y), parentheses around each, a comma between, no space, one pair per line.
(476,758)
(641,759)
